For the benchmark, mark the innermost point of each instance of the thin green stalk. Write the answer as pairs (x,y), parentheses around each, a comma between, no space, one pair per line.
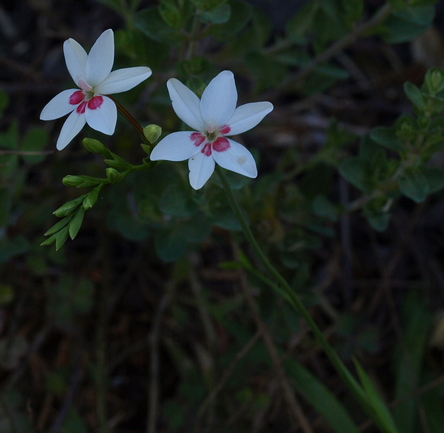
(291,296)
(134,123)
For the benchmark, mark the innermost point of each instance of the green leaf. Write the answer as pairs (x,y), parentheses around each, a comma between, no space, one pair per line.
(354,170)
(379,220)
(69,206)
(434,177)
(219,15)
(415,95)
(176,201)
(317,394)
(170,13)
(324,208)
(150,22)
(10,138)
(407,24)
(408,365)
(172,242)
(240,15)
(58,226)
(352,10)
(387,137)
(61,237)
(76,223)
(267,71)
(127,225)
(382,416)
(301,23)
(413,184)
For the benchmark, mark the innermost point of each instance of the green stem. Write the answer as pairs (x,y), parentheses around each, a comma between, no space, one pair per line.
(283,286)
(134,123)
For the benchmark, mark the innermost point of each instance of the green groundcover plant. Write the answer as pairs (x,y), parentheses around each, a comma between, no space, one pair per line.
(214,64)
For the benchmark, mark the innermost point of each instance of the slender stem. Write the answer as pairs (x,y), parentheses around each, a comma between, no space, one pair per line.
(125,113)
(291,295)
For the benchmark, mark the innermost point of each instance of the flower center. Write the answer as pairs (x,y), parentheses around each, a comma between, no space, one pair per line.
(84,99)
(213,140)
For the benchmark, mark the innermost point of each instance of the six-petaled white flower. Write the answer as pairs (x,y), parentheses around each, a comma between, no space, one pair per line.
(214,117)
(92,73)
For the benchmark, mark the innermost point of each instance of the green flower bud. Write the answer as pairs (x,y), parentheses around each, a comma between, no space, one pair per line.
(81,181)
(95,146)
(72,180)
(68,207)
(112,174)
(434,80)
(91,199)
(152,132)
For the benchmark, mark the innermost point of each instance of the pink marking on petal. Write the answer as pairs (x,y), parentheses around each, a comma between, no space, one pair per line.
(221,144)
(95,102)
(224,130)
(82,107)
(77,97)
(198,138)
(207,149)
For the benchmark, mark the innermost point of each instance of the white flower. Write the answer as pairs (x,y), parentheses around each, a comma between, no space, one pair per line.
(92,73)
(214,117)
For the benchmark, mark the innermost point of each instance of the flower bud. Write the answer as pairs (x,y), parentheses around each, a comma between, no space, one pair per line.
(95,146)
(68,207)
(112,174)
(72,180)
(81,181)
(434,80)
(152,132)
(91,199)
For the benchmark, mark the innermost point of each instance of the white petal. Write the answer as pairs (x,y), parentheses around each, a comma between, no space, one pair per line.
(75,58)
(177,146)
(122,80)
(248,116)
(100,58)
(104,118)
(237,158)
(58,106)
(219,99)
(201,168)
(185,104)
(72,126)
